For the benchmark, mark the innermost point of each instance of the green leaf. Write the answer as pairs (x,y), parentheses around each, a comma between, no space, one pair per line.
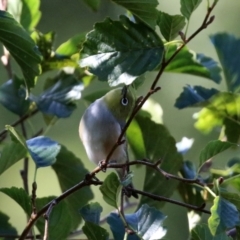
(188,7)
(21,47)
(144,10)
(159,144)
(95,232)
(43,150)
(110,189)
(5,227)
(228,50)
(12,97)
(234,198)
(60,220)
(91,212)
(70,171)
(224,215)
(232,129)
(213,148)
(20,196)
(93,4)
(189,62)
(71,46)
(120,51)
(30,14)
(170,25)
(16,136)
(202,232)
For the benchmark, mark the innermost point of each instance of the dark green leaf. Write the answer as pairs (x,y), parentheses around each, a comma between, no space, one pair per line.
(188,62)
(228,50)
(234,198)
(188,6)
(232,129)
(93,4)
(72,46)
(196,95)
(21,47)
(224,215)
(5,227)
(43,150)
(12,97)
(70,171)
(120,51)
(30,14)
(58,100)
(60,221)
(20,196)
(213,148)
(159,144)
(91,212)
(110,189)
(95,232)
(144,10)
(170,25)
(202,232)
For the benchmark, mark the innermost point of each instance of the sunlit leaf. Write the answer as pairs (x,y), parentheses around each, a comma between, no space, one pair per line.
(188,6)
(120,51)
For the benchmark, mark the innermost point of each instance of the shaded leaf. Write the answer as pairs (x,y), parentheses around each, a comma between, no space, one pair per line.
(20,196)
(5,227)
(188,7)
(43,150)
(12,97)
(60,219)
(213,148)
(228,50)
(170,25)
(70,171)
(191,63)
(95,232)
(196,95)
(93,4)
(110,189)
(144,10)
(234,198)
(21,47)
(120,51)
(91,212)
(224,215)
(232,129)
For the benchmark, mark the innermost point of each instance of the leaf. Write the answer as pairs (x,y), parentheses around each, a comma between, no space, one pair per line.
(91,212)
(189,62)
(224,215)
(12,97)
(72,46)
(188,6)
(110,189)
(120,51)
(95,232)
(228,50)
(30,14)
(60,221)
(5,227)
(21,47)
(70,171)
(43,150)
(144,10)
(58,99)
(196,95)
(202,232)
(232,129)
(20,196)
(93,4)
(16,136)
(159,144)
(170,25)
(213,148)
(146,222)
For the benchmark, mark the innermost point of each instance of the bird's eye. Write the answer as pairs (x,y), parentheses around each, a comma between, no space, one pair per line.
(124,101)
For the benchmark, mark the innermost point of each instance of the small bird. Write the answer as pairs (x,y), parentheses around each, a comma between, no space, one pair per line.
(101,126)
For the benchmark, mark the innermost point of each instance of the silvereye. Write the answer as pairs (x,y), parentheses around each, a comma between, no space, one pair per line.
(101,125)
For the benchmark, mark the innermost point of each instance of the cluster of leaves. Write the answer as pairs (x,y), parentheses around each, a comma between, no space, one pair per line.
(121,52)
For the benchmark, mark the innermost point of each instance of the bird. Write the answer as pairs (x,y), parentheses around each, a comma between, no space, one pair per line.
(101,126)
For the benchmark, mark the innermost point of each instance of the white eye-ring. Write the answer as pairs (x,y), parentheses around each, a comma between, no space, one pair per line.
(124,101)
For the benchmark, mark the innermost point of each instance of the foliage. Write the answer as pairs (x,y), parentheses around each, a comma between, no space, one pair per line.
(121,51)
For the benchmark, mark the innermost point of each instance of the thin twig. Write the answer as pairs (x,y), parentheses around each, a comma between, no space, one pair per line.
(46,216)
